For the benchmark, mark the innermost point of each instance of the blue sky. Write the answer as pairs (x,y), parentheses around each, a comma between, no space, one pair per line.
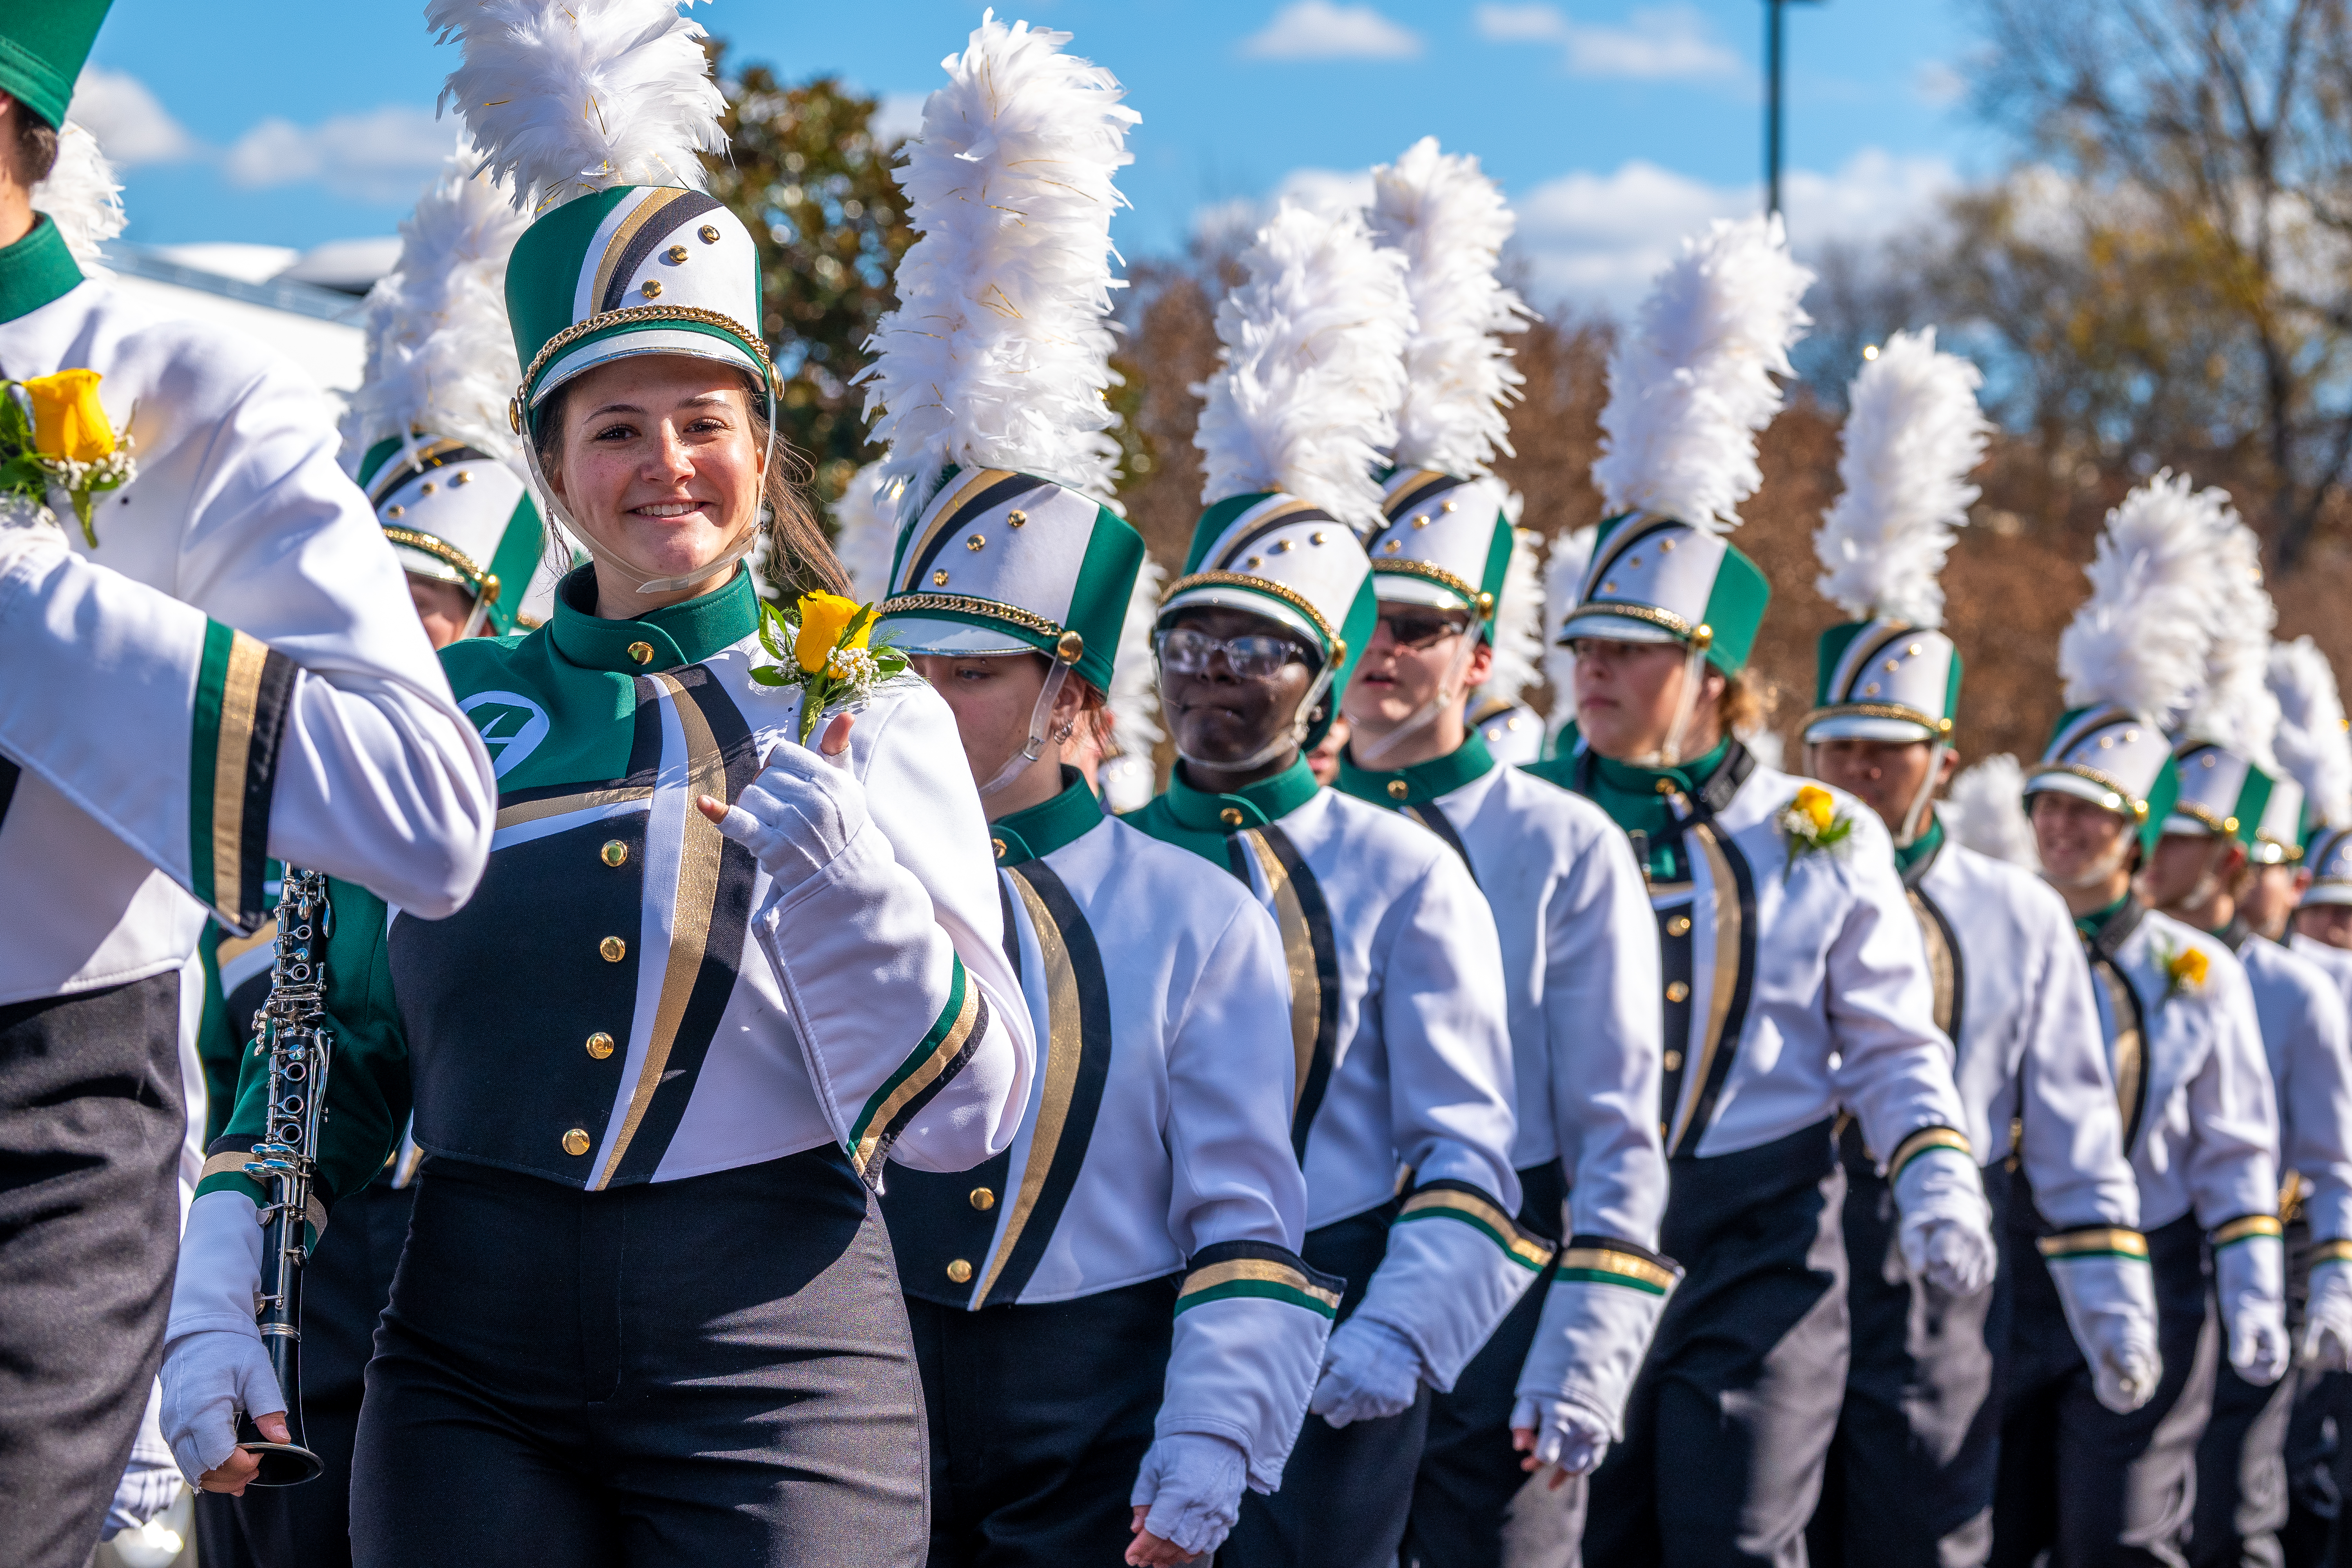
(1615,125)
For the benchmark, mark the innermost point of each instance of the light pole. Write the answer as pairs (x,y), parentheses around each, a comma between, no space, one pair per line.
(1773,28)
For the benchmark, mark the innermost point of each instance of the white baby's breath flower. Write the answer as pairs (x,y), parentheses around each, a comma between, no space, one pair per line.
(851,664)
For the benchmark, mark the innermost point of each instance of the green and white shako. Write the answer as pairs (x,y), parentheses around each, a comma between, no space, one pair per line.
(2217,794)
(2329,856)
(1884,679)
(456,515)
(42,50)
(1445,542)
(2114,758)
(1654,579)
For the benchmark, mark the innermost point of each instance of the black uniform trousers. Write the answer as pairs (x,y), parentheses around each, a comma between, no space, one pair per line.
(714,1371)
(2242,1481)
(2077,1480)
(1345,1490)
(1910,1475)
(1039,1419)
(1731,1419)
(1469,1472)
(344,1286)
(91,1124)
(2317,1454)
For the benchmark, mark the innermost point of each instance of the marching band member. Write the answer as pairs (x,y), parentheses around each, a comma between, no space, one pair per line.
(2225,776)
(1580,954)
(2096,1474)
(1911,1473)
(1156,1147)
(1402,1117)
(208,665)
(1796,982)
(717,1021)
(1496,708)
(428,434)
(2316,745)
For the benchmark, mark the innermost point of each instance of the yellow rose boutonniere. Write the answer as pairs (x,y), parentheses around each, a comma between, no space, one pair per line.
(55,435)
(822,647)
(1811,823)
(2184,970)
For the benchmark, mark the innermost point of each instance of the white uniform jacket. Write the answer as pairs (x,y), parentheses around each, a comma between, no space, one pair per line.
(2307,1041)
(2184,1049)
(1402,1039)
(2012,991)
(1157,1138)
(232,671)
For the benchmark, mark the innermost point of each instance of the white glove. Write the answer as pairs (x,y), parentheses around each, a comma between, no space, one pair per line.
(214,1363)
(1369,1371)
(1192,1483)
(1569,1433)
(1946,1231)
(2111,1307)
(2327,1318)
(2250,1276)
(1589,1345)
(798,815)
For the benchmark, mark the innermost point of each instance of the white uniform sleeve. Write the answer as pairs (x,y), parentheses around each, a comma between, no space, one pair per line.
(2073,1149)
(890,956)
(1250,1317)
(2231,1166)
(282,700)
(1894,1067)
(2319,1087)
(1457,1260)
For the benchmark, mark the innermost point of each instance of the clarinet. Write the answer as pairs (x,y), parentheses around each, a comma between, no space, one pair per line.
(291,1022)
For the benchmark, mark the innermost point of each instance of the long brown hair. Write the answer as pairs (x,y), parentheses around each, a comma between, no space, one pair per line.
(800,557)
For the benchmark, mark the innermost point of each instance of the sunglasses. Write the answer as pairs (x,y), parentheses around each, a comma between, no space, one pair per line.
(1417,629)
(1187,652)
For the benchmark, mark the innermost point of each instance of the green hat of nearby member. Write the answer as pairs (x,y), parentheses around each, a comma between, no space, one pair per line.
(43,44)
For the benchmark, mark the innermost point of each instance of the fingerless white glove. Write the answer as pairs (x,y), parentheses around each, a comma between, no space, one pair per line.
(1569,1431)
(1369,1371)
(1191,1481)
(1589,1345)
(798,815)
(1945,1237)
(214,1363)
(2327,1318)
(2110,1305)
(2250,1276)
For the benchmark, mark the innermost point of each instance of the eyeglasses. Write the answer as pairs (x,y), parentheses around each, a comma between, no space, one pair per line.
(1417,629)
(1187,652)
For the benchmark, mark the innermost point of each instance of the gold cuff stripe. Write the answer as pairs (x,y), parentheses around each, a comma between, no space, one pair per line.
(2332,1252)
(1258,1269)
(232,1163)
(240,707)
(1919,1143)
(935,1062)
(2113,1239)
(2247,1227)
(1604,1260)
(1467,1206)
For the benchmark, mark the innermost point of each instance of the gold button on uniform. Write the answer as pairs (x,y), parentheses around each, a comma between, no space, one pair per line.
(615,852)
(999,845)
(642,652)
(1665,786)
(614,949)
(575,1143)
(1677,992)
(1399,789)
(1678,926)
(600,1045)
(982,1199)
(959,1271)
(1674,1061)
(1231,816)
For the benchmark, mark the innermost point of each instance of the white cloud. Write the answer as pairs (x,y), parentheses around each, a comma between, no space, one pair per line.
(1324,30)
(1655,43)
(1938,84)
(1232,222)
(1596,239)
(132,126)
(385,155)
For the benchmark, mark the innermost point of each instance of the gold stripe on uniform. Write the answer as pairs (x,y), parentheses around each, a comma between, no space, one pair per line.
(1063,1045)
(1919,1143)
(2105,1238)
(2331,1252)
(1298,953)
(1257,1269)
(240,700)
(1534,1254)
(2247,1225)
(950,1048)
(233,948)
(557,806)
(1607,1260)
(1723,893)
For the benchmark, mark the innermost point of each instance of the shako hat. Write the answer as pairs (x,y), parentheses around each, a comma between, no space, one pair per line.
(2314,755)
(1912,432)
(1689,387)
(2223,753)
(991,373)
(2135,652)
(43,44)
(427,431)
(1299,413)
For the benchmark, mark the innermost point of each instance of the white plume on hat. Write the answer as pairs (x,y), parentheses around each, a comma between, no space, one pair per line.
(1311,369)
(1912,432)
(1129,778)
(2236,708)
(1986,812)
(1571,557)
(2313,745)
(440,356)
(1518,630)
(1691,384)
(566,98)
(1450,221)
(998,355)
(81,196)
(2140,640)
(866,520)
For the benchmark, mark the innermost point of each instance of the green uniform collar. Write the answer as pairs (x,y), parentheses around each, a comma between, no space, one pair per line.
(1920,848)
(2091,924)
(1039,830)
(36,270)
(675,635)
(1422,781)
(1253,806)
(1633,801)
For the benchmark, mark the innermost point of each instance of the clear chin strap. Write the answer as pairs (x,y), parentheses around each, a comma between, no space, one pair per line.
(1909,835)
(1449,693)
(1293,735)
(1685,703)
(1041,714)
